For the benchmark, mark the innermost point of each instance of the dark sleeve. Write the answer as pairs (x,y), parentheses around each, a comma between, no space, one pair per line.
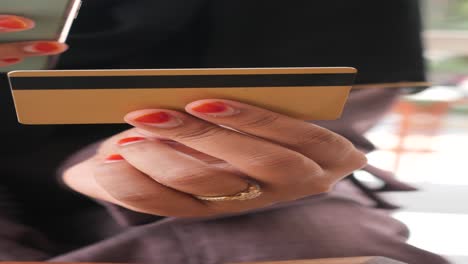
(380,38)
(18,241)
(116,34)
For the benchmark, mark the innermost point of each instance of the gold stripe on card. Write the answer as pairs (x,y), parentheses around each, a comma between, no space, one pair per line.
(100,106)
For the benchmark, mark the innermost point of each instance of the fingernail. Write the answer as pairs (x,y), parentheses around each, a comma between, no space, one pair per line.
(114,158)
(12,23)
(159,119)
(130,140)
(215,109)
(44,47)
(11,60)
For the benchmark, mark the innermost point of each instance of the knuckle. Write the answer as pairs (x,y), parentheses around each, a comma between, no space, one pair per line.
(359,159)
(187,176)
(199,133)
(324,187)
(279,161)
(131,197)
(259,121)
(70,174)
(321,137)
(307,188)
(350,160)
(323,184)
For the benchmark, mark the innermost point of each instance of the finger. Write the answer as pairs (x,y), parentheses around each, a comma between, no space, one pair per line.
(138,192)
(323,146)
(196,154)
(11,23)
(177,170)
(110,146)
(260,159)
(31,48)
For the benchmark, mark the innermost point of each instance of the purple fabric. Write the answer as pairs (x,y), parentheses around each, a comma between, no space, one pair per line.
(336,225)
(339,224)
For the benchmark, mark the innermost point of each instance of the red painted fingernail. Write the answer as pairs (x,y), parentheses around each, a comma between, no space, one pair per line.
(130,140)
(12,23)
(215,109)
(44,47)
(11,60)
(159,119)
(114,158)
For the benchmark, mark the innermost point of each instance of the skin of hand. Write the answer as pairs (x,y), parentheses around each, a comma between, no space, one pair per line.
(213,149)
(12,53)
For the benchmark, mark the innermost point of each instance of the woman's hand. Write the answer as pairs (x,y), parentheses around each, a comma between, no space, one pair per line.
(184,155)
(12,53)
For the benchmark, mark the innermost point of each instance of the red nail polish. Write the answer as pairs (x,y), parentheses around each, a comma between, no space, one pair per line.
(12,23)
(43,47)
(130,140)
(11,60)
(209,108)
(216,109)
(154,118)
(46,46)
(114,158)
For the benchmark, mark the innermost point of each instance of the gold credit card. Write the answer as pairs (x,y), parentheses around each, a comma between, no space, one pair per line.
(105,96)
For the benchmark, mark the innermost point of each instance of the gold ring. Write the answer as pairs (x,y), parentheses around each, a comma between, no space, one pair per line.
(252,191)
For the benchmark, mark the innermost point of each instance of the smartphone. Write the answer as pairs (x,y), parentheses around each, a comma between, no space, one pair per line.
(53,20)
(105,96)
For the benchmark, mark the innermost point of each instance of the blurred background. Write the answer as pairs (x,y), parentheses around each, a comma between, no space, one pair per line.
(424,140)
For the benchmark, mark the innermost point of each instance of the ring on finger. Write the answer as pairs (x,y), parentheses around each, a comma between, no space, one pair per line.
(252,191)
